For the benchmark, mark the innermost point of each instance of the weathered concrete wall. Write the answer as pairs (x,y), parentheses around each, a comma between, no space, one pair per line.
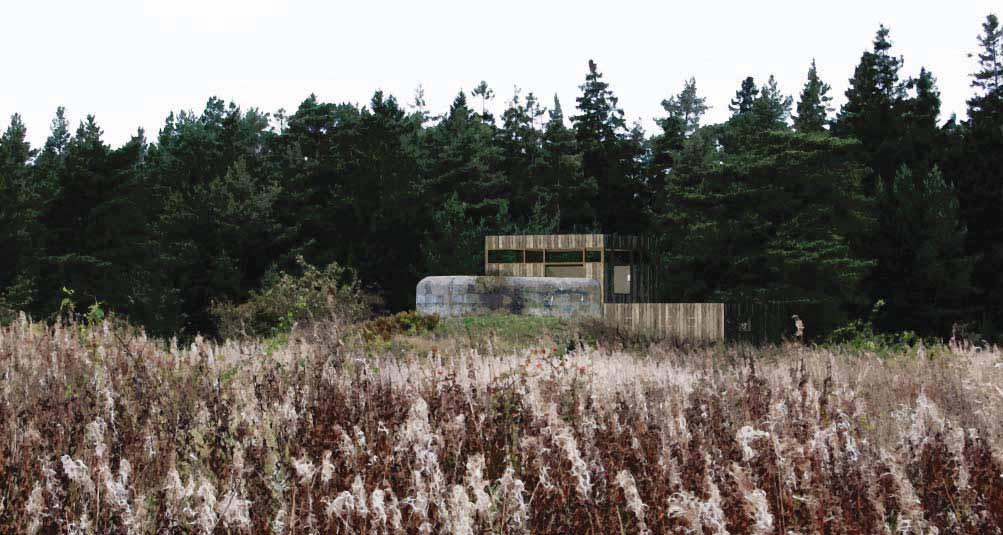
(532,296)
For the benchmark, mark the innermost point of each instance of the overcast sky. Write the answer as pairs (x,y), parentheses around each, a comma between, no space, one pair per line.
(130,62)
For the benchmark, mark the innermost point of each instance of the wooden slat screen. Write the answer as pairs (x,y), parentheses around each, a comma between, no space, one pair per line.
(693,321)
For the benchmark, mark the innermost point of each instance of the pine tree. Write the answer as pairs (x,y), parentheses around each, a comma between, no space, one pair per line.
(607,155)
(683,114)
(570,194)
(989,78)
(600,121)
(772,108)
(869,114)
(468,161)
(685,109)
(465,182)
(921,139)
(813,107)
(390,256)
(764,221)
(769,110)
(20,232)
(745,97)
(99,244)
(976,163)
(923,274)
(59,136)
(213,178)
(485,93)
(521,147)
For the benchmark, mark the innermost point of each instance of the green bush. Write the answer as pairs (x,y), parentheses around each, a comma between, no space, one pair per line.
(861,335)
(331,294)
(611,334)
(408,322)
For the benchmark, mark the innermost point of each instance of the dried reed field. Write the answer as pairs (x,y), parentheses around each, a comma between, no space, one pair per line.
(108,431)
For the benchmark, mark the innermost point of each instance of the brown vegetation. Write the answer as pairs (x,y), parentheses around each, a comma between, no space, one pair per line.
(107,431)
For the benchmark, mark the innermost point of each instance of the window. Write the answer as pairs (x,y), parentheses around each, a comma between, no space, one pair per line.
(534,257)
(618,258)
(621,279)
(564,257)
(593,256)
(504,256)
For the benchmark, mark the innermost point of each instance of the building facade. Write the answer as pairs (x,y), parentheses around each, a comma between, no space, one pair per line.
(623,265)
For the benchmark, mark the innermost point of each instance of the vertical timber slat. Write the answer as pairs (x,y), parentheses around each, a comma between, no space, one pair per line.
(700,321)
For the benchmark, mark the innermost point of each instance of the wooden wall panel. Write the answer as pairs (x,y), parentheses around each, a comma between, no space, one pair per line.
(691,321)
(643,273)
(546,241)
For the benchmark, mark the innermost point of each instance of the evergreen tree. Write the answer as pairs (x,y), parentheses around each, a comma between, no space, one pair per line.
(684,111)
(608,154)
(214,188)
(989,78)
(58,140)
(745,97)
(768,112)
(569,192)
(20,232)
(923,273)
(770,220)
(869,113)
(813,107)
(921,139)
(485,93)
(465,184)
(772,108)
(522,155)
(467,161)
(683,114)
(387,210)
(99,237)
(977,165)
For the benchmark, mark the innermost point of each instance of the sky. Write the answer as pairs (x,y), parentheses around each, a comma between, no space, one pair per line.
(130,62)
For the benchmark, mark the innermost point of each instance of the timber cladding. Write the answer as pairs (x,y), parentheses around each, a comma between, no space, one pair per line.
(625,268)
(684,321)
(595,256)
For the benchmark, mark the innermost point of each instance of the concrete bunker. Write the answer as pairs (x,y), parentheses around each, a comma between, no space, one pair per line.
(450,296)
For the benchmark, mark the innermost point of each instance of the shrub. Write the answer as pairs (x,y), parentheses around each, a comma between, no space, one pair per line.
(861,335)
(408,322)
(331,294)
(614,335)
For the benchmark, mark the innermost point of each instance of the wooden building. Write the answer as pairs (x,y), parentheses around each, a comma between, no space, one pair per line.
(625,268)
(623,265)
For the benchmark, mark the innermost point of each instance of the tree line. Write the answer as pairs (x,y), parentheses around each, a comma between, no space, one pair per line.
(876,201)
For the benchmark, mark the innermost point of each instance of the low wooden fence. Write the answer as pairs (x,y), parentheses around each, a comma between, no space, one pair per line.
(754,323)
(772,322)
(684,321)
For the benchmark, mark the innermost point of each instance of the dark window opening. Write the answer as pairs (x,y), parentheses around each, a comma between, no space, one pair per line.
(618,258)
(534,257)
(564,257)
(593,256)
(505,256)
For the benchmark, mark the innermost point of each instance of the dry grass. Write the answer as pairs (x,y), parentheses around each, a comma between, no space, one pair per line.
(108,432)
